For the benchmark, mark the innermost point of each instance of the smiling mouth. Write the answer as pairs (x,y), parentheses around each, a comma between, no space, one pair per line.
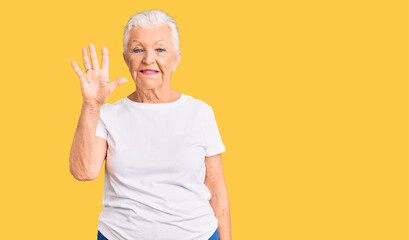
(149,72)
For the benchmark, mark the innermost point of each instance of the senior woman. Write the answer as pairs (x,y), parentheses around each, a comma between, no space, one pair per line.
(163,171)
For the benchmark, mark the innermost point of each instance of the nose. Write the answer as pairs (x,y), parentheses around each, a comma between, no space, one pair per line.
(149,57)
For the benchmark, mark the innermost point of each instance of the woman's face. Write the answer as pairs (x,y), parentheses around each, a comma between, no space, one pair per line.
(151,48)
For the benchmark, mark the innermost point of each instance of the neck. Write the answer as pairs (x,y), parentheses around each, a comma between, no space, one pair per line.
(154,96)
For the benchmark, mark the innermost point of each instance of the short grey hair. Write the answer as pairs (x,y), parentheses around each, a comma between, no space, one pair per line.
(151,18)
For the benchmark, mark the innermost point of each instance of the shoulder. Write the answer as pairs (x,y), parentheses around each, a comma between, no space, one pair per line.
(110,109)
(198,104)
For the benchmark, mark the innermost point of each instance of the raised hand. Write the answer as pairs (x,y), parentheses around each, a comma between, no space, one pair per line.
(95,85)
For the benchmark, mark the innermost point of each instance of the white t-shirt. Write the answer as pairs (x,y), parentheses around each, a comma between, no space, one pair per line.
(155,170)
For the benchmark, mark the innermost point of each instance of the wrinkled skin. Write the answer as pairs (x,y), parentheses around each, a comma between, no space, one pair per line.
(152,48)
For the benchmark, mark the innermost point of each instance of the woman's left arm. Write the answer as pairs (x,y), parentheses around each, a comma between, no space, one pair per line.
(219,201)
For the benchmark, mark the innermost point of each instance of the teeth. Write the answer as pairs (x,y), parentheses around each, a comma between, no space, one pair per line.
(149,71)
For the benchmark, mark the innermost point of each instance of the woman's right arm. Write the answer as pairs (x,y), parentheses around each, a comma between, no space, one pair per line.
(89,151)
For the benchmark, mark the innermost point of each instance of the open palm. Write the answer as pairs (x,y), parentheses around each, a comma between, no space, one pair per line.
(95,85)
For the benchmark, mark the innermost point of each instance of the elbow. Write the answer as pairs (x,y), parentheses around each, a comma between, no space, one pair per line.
(82,175)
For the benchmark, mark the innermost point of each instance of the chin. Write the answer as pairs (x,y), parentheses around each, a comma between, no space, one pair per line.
(150,83)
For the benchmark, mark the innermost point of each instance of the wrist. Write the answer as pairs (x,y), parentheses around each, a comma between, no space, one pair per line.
(92,107)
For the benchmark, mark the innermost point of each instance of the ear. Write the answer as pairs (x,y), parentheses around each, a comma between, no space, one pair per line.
(178,58)
(126,61)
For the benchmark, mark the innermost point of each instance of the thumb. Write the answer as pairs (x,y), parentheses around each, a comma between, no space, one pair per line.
(117,82)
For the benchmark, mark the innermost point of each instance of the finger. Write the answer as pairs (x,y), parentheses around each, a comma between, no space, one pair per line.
(93,54)
(85,59)
(77,70)
(105,59)
(117,82)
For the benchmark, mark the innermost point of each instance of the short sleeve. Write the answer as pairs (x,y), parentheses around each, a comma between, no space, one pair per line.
(214,143)
(101,127)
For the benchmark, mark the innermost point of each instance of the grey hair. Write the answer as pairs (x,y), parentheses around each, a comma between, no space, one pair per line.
(151,18)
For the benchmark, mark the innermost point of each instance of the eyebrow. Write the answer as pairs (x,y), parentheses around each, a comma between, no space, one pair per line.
(155,43)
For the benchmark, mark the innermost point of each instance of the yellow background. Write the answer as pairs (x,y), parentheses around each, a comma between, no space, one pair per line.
(311,99)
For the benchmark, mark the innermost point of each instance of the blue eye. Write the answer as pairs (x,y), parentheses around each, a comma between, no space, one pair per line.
(159,50)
